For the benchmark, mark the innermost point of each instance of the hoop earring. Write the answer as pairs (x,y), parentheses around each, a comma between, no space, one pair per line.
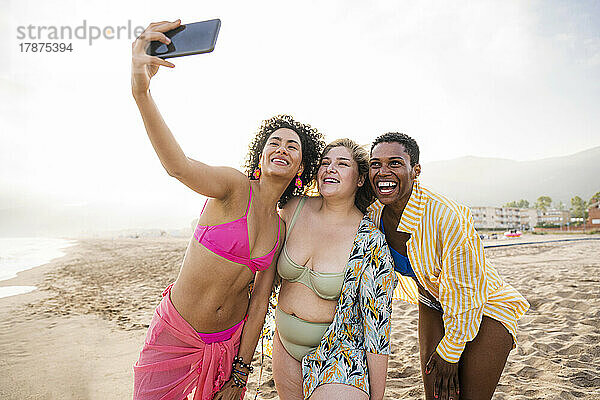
(298,182)
(256,173)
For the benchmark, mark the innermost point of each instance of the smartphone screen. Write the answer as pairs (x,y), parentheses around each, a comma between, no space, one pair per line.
(188,39)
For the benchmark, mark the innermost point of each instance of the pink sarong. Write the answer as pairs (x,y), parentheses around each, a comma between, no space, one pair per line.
(175,360)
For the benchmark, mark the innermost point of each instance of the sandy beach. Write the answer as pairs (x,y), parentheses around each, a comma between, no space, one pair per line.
(78,335)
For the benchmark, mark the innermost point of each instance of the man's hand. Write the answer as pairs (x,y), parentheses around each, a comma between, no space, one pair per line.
(445,377)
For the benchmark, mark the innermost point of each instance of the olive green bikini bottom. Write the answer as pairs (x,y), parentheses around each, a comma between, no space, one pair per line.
(299,337)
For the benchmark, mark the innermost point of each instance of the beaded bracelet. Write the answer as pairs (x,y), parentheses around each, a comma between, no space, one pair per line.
(237,380)
(239,360)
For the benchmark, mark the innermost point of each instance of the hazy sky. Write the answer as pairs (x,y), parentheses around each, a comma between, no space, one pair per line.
(510,79)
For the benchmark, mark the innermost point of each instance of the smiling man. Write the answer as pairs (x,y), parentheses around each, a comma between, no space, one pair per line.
(467,313)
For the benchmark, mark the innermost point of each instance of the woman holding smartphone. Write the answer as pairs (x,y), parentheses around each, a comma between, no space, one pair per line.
(333,312)
(205,330)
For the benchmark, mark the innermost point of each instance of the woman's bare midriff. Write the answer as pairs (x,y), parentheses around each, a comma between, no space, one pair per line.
(211,293)
(311,308)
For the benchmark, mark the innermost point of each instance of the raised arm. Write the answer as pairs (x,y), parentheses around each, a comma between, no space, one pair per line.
(217,182)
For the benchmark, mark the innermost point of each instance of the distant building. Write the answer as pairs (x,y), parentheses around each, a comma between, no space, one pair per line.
(594,215)
(529,218)
(485,217)
(509,218)
(504,218)
(554,217)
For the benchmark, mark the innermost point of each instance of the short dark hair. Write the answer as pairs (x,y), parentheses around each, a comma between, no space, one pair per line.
(364,194)
(311,142)
(410,145)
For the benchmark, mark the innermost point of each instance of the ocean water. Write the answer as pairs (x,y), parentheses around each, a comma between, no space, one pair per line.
(20,254)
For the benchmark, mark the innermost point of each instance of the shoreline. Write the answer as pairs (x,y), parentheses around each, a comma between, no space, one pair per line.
(19,255)
(31,277)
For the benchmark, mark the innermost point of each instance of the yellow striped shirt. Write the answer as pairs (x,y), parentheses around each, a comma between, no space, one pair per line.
(447,257)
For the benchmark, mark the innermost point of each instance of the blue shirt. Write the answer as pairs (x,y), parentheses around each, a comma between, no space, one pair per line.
(401,262)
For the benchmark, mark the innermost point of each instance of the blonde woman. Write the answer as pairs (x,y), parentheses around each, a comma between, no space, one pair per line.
(334,307)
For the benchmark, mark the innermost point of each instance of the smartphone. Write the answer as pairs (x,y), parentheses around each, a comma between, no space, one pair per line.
(195,38)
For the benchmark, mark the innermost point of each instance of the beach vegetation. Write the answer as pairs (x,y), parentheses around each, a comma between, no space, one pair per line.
(543,203)
(547,225)
(578,208)
(517,204)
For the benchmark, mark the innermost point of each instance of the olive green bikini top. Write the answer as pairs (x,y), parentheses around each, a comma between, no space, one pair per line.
(326,285)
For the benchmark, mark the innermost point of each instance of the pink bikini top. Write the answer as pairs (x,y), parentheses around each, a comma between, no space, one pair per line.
(230,241)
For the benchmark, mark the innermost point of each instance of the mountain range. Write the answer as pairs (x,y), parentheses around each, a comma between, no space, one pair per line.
(480,181)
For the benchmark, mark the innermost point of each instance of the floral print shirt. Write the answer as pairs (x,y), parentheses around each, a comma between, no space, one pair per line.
(362,319)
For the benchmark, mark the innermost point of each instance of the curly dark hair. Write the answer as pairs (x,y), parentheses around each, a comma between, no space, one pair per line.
(364,194)
(410,144)
(312,143)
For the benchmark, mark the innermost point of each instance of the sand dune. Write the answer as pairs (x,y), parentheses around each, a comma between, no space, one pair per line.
(78,335)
